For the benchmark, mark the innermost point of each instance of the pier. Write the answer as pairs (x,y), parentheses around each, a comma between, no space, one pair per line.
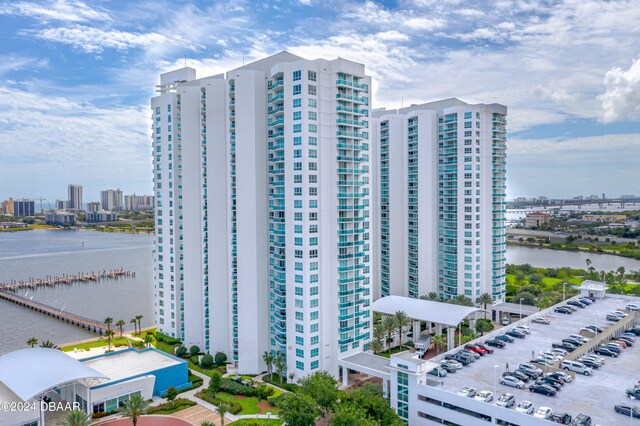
(78,320)
(34,283)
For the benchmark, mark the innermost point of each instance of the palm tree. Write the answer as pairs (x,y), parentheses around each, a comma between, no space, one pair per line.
(621,272)
(268,359)
(32,342)
(135,407)
(279,360)
(402,320)
(108,321)
(109,334)
(139,319)
(222,409)
(485,299)
(433,296)
(120,324)
(148,338)
(292,376)
(76,418)
(439,342)
(461,300)
(588,262)
(48,344)
(135,325)
(376,346)
(378,332)
(389,325)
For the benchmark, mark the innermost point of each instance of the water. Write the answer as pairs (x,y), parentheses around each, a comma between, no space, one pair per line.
(39,254)
(548,258)
(514,215)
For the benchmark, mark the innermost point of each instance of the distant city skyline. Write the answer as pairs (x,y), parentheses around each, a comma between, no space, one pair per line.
(77,77)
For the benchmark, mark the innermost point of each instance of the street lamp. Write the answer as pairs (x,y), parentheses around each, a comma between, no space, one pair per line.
(521,299)
(563,284)
(495,367)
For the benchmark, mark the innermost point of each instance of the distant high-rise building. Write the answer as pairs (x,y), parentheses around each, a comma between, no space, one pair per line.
(7,206)
(440,169)
(262,211)
(93,206)
(75,197)
(111,199)
(138,202)
(61,204)
(24,207)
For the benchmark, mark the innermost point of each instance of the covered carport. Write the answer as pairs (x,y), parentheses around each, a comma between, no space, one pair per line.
(366,363)
(441,314)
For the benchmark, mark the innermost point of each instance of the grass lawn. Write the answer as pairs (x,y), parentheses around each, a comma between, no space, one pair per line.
(249,404)
(258,422)
(96,344)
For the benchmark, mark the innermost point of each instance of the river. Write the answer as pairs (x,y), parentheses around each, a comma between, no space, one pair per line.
(549,258)
(37,254)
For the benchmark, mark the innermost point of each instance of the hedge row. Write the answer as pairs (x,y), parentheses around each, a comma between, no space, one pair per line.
(167,339)
(171,407)
(205,395)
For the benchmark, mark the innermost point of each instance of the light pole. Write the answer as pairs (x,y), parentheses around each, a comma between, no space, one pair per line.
(495,367)
(521,299)
(563,293)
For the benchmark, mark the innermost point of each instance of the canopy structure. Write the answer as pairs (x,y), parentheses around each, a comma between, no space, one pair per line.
(29,373)
(424,310)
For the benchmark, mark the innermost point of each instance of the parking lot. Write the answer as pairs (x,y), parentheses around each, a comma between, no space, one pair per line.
(592,395)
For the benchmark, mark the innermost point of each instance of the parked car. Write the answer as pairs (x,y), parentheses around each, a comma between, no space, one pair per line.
(559,352)
(603,350)
(543,389)
(524,328)
(573,342)
(589,363)
(614,318)
(541,320)
(543,413)
(618,313)
(505,338)
(571,308)
(553,384)
(576,367)
(484,396)
(566,346)
(629,335)
(563,310)
(471,354)
(511,381)
(506,400)
(562,418)
(593,329)
(517,374)
(613,347)
(635,330)
(575,303)
(585,300)
(495,343)
(632,307)
(624,339)
(476,349)
(554,379)
(560,375)
(516,334)
(581,420)
(529,367)
(467,391)
(600,360)
(449,366)
(579,338)
(529,374)
(525,407)
(627,410)
(438,372)
(485,347)
(633,393)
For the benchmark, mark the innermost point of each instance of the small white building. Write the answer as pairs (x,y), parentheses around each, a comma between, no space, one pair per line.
(596,289)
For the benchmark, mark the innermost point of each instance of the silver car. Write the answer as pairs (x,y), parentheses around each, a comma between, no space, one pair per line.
(511,381)
(506,400)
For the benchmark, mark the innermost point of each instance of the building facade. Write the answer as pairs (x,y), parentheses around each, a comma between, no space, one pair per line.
(101,216)
(441,173)
(138,202)
(536,219)
(74,197)
(24,207)
(272,161)
(7,207)
(93,206)
(111,199)
(56,217)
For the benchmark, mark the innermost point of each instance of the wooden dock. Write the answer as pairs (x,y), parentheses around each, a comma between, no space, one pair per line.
(78,320)
(34,283)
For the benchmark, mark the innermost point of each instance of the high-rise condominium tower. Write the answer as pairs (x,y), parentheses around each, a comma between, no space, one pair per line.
(75,197)
(440,175)
(111,199)
(262,211)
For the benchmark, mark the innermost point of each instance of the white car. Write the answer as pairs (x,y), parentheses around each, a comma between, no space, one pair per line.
(511,381)
(560,352)
(453,362)
(525,407)
(632,307)
(566,377)
(541,320)
(524,328)
(484,396)
(543,413)
(579,338)
(506,400)
(617,314)
(467,391)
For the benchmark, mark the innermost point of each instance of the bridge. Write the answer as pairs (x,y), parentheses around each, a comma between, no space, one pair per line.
(77,320)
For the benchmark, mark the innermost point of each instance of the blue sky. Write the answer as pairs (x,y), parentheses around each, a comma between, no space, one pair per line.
(77,78)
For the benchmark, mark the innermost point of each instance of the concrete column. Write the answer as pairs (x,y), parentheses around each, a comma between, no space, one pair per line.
(438,329)
(345,376)
(416,330)
(385,388)
(472,325)
(451,338)
(429,324)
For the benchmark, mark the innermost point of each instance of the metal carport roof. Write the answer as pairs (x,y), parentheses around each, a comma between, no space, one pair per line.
(424,310)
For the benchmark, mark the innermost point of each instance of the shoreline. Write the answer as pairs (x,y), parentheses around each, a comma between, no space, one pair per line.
(101,337)
(571,249)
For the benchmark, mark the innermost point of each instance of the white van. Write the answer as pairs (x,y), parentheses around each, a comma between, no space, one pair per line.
(576,367)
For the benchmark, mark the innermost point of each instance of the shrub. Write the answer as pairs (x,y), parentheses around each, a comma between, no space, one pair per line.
(236,388)
(195,359)
(181,351)
(264,392)
(221,358)
(276,399)
(208,396)
(171,407)
(206,361)
(194,350)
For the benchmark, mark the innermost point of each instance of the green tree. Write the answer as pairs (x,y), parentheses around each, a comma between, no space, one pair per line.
(120,324)
(298,410)
(461,300)
(369,397)
(350,415)
(268,359)
(76,418)
(432,296)
(402,321)
(135,325)
(194,350)
(484,299)
(535,278)
(148,338)
(32,342)
(376,346)
(378,332)
(221,358)
(109,334)
(222,410)
(439,342)
(171,395)
(139,321)
(322,387)
(108,321)
(181,351)
(215,383)
(280,364)
(483,327)
(48,344)
(389,325)
(544,302)
(135,407)
(206,361)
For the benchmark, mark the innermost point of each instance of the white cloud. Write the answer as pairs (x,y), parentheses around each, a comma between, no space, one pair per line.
(58,10)
(14,62)
(621,99)
(92,39)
